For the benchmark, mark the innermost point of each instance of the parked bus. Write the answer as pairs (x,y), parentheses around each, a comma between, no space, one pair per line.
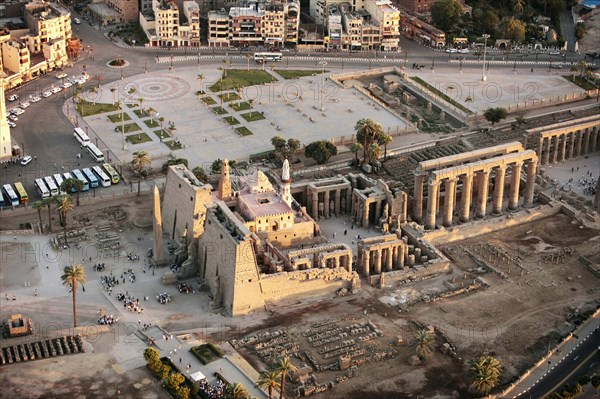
(1,199)
(114,176)
(41,188)
(89,175)
(78,175)
(95,152)
(103,177)
(262,57)
(59,181)
(66,176)
(80,135)
(21,193)
(51,185)
(11,196)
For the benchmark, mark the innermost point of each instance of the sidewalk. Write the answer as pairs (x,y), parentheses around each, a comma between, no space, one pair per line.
(555,356)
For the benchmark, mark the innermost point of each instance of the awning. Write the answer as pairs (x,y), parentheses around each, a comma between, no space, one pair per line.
(197,376)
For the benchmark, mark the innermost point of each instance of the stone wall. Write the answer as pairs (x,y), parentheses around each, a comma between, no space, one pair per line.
(413,273)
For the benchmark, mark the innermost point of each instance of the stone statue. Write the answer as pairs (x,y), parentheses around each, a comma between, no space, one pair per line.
(216,302)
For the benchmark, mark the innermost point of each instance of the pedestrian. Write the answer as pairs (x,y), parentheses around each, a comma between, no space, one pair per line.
(35,292)
(15,238)
(14,297)
(179,360)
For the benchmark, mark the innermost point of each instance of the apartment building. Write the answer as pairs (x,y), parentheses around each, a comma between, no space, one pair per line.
(245,26)
(48,21)
(292,18)
(218,28)
(189,30)
(5,137)
(128,10)
(16,58)
(273,24)
(423,6)
(388,18)
(166,26)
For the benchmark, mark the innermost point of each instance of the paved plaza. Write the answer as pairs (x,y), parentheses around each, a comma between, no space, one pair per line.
(574,176)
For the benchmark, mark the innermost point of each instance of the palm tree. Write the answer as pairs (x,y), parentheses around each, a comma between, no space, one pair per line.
(151,112)
(141,101)
(518,5)
(161,120)
(201,79)
(283,366)
(355,149)
(48,202)
(367,132)
(384,141)
(71,276)
(423,343)
(374,151)
(140,162)
(70,185)
(38,205)
(251,104)
(64,206)
(269,379)
(236,391)
(484,373)
(112,90)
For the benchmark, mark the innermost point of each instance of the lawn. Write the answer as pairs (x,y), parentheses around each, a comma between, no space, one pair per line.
(141,114)
(132,105)
(243,131)
(231,120)
(229,97)
(440,94)
(152,123)
(208,101)
(165,134)
(130,127)
(117,117)
(219,110)
(241,78)
(296,73)
(253,116)
(86,108)
(173,145)
(138,138)
(581,82)
(240,106)
(207,353)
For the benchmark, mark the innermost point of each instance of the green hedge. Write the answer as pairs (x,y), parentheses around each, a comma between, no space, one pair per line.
(207,353)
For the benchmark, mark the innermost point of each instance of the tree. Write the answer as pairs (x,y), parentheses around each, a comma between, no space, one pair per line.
(355,149)
(139,163)
(64,206)
(423,344)
(374,151)
(269,379)
(70,185)
(71,276)
(201,79)
(596,381)
(176,161)
(484,373)
(283,366)
(112,90)
(215,167)
(320,151)
(518,6)
(200,174)
(446,14)
(579,30)
(489,21)
(38,205)
(48,202)
(141,101)
(174,381)
(513,29)
(367,132)
(495,114)
(384,141)
(151,355)
(236,391)
(285,148)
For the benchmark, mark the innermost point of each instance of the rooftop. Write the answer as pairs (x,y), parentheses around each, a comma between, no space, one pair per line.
(264,204)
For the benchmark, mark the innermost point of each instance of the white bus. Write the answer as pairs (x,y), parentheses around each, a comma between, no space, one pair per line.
(262,57)
(102,177)
(78,175)
(41,188)
(66,176)
(80,135)
(59,181)
(51,185)
(11,196)
(95,152)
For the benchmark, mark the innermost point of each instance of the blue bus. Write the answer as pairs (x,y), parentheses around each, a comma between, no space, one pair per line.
(91,177)
(66,176)
(78,175)
(11,196)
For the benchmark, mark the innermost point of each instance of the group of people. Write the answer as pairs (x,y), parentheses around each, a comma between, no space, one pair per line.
(104,319)
(99,267)
(185,289)
(130,303)
(108,282)
(163,298)
(211,391)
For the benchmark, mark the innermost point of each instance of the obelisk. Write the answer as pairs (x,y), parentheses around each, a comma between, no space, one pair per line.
(159,249)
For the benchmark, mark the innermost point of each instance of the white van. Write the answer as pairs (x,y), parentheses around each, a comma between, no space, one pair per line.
(76,21)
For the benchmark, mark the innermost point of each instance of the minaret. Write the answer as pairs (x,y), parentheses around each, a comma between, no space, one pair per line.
(286,194)
(225,191)
(5,140)
(159,250)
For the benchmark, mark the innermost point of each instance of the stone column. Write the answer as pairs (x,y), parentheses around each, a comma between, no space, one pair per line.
(513,195)
(586,141)
(563,150)
(483,179)
(546,154)
(594,139)
(529,184)
(449,186)
(418,199)
(326,204)
(388,260)
(366,262)
(540,148)
(334,262)
(571,145)
(579,142)
(377,261)
(555,149)
(377,211)
(336,200)
(465,199)
(597,198)
(498,196)
(315,204)
(400,253)
(348,199)
(366,214)
(433,189)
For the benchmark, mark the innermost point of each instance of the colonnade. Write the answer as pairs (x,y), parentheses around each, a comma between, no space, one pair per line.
(361,211)
(329,257)
(334,200)
(476,176)
(383,256)
(569,142)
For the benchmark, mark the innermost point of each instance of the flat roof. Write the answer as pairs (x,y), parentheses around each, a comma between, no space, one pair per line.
(264,204)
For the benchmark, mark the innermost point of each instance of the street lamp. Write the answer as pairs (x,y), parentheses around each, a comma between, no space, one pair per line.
(323,63)
(485,37)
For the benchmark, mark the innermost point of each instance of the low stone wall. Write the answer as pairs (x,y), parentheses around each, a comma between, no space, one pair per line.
(412,273)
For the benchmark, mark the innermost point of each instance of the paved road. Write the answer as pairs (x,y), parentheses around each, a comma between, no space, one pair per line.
(567,28)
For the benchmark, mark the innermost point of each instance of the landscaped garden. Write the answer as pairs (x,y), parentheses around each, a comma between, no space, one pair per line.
(238,78)
(253,116)
(243,131)
(138,138)
(164,134)
(440,94)
(208,100)
(117,117)
(130,127)
(227,97)
(219,110)
(231,120)
(207,353)
(151,123)
(86,108)
(296,73)
(140,113)
(241,106)
(581,82)
(173,144)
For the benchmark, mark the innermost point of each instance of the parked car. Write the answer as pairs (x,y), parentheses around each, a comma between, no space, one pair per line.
(11,124)
(26,160)
(554,52)
(13,118)
(35,99)
(464,51)
(556,66)
(66,85)
(17,111)
(25,104)
(13,97)
(451,50)
(56,89)
(76,21)
(61,75)
(46,94)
